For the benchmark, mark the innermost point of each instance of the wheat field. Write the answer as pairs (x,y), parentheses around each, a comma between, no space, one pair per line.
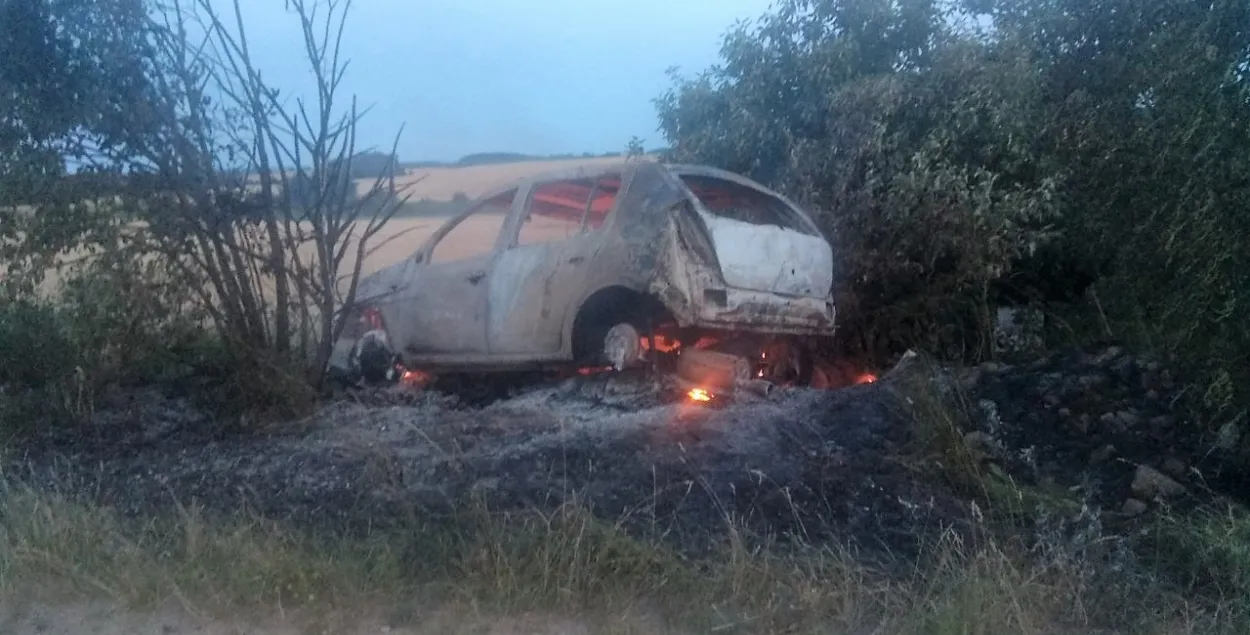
(443,183)
(401,237)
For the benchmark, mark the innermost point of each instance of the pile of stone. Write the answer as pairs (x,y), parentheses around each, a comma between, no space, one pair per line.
(1108,425)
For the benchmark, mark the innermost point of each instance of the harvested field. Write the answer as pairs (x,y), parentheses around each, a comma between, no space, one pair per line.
(403,235)
(444,183)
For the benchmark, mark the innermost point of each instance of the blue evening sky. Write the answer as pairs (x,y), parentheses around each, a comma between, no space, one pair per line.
(537,76)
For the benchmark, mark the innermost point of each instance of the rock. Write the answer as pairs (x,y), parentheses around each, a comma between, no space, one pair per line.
(1126,368)
(1133,507)
(1091,381)
(1150,483)
(1228,436)
(969,379)
(1107,355)
(1102,454)
(1065,412)
(1128,418)
(1084,422)
(1175,467)
(1166,380)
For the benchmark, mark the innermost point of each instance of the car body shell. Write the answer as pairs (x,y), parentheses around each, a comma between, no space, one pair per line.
(516,305)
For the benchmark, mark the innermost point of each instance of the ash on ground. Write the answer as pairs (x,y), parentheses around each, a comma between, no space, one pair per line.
(818,465)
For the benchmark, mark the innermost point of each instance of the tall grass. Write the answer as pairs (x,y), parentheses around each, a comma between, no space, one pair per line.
(564,561)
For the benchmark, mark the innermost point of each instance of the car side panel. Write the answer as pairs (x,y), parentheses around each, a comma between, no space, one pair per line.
(532,291)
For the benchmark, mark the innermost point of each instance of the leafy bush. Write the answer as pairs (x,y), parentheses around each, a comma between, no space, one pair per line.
(1084,158)
(115,320)
(35,346)
(920,176)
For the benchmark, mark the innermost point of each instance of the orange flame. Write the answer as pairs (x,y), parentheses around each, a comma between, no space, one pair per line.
(865,378)
(415,378)
(662,344)
(699,394)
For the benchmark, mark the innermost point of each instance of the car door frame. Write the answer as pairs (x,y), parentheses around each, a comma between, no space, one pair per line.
(420,301)
(564,266)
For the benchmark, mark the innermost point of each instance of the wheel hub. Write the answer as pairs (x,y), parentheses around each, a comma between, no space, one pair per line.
(622,345)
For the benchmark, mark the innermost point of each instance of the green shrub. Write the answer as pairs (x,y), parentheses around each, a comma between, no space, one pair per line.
(36,349)
(921,176)
(1094,168)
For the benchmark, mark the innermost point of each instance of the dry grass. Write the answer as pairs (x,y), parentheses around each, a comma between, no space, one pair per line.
(562,562)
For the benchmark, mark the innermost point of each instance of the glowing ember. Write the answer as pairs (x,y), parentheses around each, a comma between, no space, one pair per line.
(415,378)
(704,342)
(662,344)
(699,394)
(865,378)
(593,370)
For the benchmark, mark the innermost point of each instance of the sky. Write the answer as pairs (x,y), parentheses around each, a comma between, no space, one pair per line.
(528,76)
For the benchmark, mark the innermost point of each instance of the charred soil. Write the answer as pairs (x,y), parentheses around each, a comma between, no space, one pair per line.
(858,466)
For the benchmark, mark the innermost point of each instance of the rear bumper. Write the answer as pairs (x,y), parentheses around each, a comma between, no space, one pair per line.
(742,310)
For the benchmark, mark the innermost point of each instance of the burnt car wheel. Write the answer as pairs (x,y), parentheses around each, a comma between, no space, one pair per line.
(610,327)
(622,345)
(375,361)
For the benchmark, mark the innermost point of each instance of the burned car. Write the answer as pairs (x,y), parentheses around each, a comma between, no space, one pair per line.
(603,266)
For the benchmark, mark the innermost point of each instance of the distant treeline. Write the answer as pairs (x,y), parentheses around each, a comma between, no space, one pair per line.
(496,158)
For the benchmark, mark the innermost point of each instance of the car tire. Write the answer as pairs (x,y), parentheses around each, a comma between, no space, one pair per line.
(622,345)
(376,362)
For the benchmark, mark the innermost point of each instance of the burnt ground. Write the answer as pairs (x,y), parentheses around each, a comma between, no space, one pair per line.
(822,465)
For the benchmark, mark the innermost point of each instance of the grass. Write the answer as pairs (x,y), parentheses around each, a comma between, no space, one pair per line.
(1207,550)
(561,562)
(944,445)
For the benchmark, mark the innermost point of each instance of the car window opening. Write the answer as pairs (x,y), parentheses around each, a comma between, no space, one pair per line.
(559,210)
(602,203)
(476,233)
(734,201)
